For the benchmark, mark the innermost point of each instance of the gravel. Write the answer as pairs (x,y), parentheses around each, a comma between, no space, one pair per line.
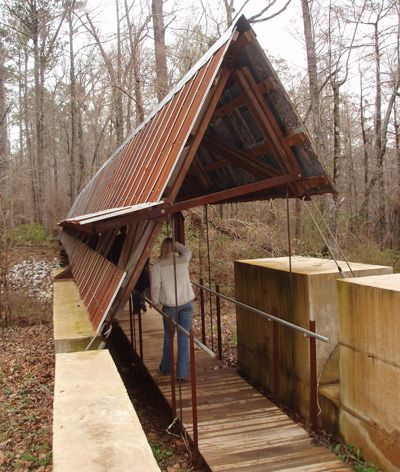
(34,276)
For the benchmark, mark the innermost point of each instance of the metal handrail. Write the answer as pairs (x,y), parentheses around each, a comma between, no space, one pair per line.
(182,329)
(266,315)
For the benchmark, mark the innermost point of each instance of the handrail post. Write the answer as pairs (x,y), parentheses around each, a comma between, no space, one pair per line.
(313,379)
(194,398)
(172,364)
(131,319)
(276,361)
(202,313)
(219,330)
(140,336)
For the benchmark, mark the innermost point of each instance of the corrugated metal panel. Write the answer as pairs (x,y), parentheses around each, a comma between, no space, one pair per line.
(139,171)
(98,280)
(110,213)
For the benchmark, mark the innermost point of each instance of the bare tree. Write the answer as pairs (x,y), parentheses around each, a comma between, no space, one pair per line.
(377,14)
(160,49)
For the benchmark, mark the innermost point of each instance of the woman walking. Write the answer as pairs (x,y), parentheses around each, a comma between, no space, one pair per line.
(171,288)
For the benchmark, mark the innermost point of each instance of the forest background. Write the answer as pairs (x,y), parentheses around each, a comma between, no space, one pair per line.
(77,77)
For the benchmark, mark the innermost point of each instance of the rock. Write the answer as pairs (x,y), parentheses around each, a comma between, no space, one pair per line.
(34,277)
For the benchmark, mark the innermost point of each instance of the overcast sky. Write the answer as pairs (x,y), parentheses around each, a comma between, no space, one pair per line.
(280,36)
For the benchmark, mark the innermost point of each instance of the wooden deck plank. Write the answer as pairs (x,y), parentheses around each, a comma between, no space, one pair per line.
(239,429)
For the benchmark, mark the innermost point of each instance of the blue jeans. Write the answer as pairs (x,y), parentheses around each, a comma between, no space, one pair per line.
(185,315)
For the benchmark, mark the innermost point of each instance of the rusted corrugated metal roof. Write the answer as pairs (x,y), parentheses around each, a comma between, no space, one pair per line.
(140,169)
(227,132)
(95,217)
(97,278)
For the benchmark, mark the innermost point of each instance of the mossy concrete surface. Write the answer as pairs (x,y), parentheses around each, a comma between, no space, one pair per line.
(73,330)
(267,284)
(369,321)
(95,426)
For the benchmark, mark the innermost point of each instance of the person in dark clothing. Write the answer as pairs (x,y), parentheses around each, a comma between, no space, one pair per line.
(143,282)
(93,240)
(118,244)
(141,287)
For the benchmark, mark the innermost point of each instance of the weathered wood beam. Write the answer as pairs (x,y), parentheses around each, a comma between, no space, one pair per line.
(168,208)
(238,157)
(265,148)
(265,118)
(198,169)
(77,227)
(183,167)
(135,265)
(179,227)
(264,86)
(243,40)
(295,138)
(220,164)
(309,183)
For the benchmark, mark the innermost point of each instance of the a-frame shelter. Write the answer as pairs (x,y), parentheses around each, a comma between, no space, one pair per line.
(227,132)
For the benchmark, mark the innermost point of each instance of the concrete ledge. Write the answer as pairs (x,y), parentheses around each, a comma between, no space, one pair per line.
(370,367)
(95,427)
(73,330)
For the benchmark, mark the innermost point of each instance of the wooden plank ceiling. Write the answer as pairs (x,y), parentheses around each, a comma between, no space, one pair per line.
(227,132)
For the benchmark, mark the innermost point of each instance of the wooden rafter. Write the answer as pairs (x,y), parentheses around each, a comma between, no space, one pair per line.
(264,148)
(243,41)
(200,172)
(163,210)
(265,118)
(220,164)
(184,166)
(295,138)
(238,157)
(135,264)
(264,86)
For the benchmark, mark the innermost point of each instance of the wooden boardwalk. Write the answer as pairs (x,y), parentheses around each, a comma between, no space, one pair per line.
(239,429)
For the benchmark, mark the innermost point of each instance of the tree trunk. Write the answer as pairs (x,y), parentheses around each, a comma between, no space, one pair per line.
(364,211)
(312,75)
(73,111)
(134,41)
(380,226)
(38,143)
(160,49)
(5,164)
(395,217)
(119,107)
(229,11)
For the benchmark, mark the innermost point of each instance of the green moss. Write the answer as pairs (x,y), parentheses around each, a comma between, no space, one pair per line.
(29,233)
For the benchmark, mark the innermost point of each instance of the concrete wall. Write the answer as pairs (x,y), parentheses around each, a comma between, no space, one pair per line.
(73,330)
(369,321)
(95,427)
(265,284)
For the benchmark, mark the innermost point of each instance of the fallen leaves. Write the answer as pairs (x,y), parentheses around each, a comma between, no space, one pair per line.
(26,397)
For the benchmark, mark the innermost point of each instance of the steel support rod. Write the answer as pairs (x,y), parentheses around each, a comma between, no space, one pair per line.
(194,397)
(219,330)
(131,320)
(313,380)
(276,361)
(172,365)
(134,326)
(202,313)
(268,316)
(140,336)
